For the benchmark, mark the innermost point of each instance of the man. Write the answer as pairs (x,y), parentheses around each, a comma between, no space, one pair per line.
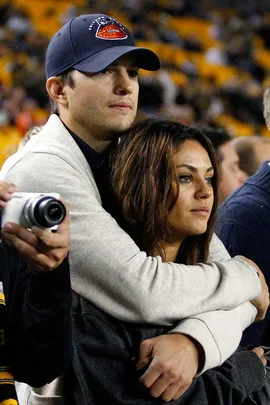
(243,226)
(232,175)
(92,66)
(252,152)
(35,326)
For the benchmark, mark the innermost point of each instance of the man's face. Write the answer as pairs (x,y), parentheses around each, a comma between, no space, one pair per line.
(232,176)
(102,104)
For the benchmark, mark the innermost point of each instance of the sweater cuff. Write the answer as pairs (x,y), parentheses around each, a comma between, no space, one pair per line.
(196,329)
(49,289)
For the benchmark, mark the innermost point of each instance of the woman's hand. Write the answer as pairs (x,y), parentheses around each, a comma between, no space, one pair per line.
(260,353)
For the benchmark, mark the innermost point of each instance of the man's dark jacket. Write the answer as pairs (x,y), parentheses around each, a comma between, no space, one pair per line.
(243,225)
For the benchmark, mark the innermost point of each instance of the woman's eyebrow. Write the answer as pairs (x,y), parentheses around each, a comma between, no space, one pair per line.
(193,168)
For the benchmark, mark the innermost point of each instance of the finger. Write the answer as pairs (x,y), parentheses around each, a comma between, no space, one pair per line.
(24,239)
(46,236)
(150,375)
(180,392)
(263,360)
(259,351)
(51,239)
(161,385)
(14,232)
(9,187)
(171,392)
(145,349)
(6,190)
(32,255)
(40,263)
(141,364)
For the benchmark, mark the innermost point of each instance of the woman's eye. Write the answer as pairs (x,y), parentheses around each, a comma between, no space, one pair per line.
(185,178)
(209,180)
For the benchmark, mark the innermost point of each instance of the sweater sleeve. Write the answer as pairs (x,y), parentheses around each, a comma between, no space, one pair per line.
(209,328)
(108,268)
(126,282)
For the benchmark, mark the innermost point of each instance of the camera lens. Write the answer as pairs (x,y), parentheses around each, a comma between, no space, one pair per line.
(48,211)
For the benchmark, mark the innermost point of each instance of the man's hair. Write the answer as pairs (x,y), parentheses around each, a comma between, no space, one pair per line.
(146,185)
(66,78)
(266,107)
(218,137)
(244,147)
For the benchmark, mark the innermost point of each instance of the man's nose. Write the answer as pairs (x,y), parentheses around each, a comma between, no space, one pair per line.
(123,84)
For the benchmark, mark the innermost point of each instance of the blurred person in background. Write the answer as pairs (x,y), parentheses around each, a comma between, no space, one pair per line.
(252,152)
(243,224)
(232,176)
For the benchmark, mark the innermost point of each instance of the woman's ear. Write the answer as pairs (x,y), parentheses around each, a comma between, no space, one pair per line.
(56,90)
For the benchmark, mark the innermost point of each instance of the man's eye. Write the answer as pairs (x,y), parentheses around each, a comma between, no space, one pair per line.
(104,71)
(133,73)
(185,178)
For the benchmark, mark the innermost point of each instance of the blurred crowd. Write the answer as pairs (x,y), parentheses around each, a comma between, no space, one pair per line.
(215,61)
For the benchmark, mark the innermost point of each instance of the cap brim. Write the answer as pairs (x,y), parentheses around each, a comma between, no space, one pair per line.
(144,58)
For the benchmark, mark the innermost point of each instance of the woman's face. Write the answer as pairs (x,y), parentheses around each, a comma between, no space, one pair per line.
(191,212)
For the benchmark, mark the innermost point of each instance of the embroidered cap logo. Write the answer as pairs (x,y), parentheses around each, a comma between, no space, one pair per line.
(109,29)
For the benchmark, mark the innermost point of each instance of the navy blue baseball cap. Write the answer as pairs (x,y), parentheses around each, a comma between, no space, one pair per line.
(90,43)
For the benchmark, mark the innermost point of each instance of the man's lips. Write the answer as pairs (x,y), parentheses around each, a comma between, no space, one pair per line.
(122,106)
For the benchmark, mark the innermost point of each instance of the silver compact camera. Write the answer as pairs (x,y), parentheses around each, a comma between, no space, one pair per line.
(28,209)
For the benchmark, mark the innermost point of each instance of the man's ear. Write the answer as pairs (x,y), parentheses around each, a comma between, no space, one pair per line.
(56,90)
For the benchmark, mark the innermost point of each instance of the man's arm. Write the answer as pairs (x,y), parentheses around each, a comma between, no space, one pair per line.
(125,282)
(228,384)
(191,339)
(169,387)
(38,302)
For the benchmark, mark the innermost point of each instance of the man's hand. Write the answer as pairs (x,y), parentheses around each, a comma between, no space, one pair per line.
(262,301)
(172,360)
(42,249)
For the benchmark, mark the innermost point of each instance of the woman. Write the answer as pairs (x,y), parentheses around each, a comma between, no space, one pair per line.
(165,178)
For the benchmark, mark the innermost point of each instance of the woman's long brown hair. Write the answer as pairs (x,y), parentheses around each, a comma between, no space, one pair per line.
(146,185)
